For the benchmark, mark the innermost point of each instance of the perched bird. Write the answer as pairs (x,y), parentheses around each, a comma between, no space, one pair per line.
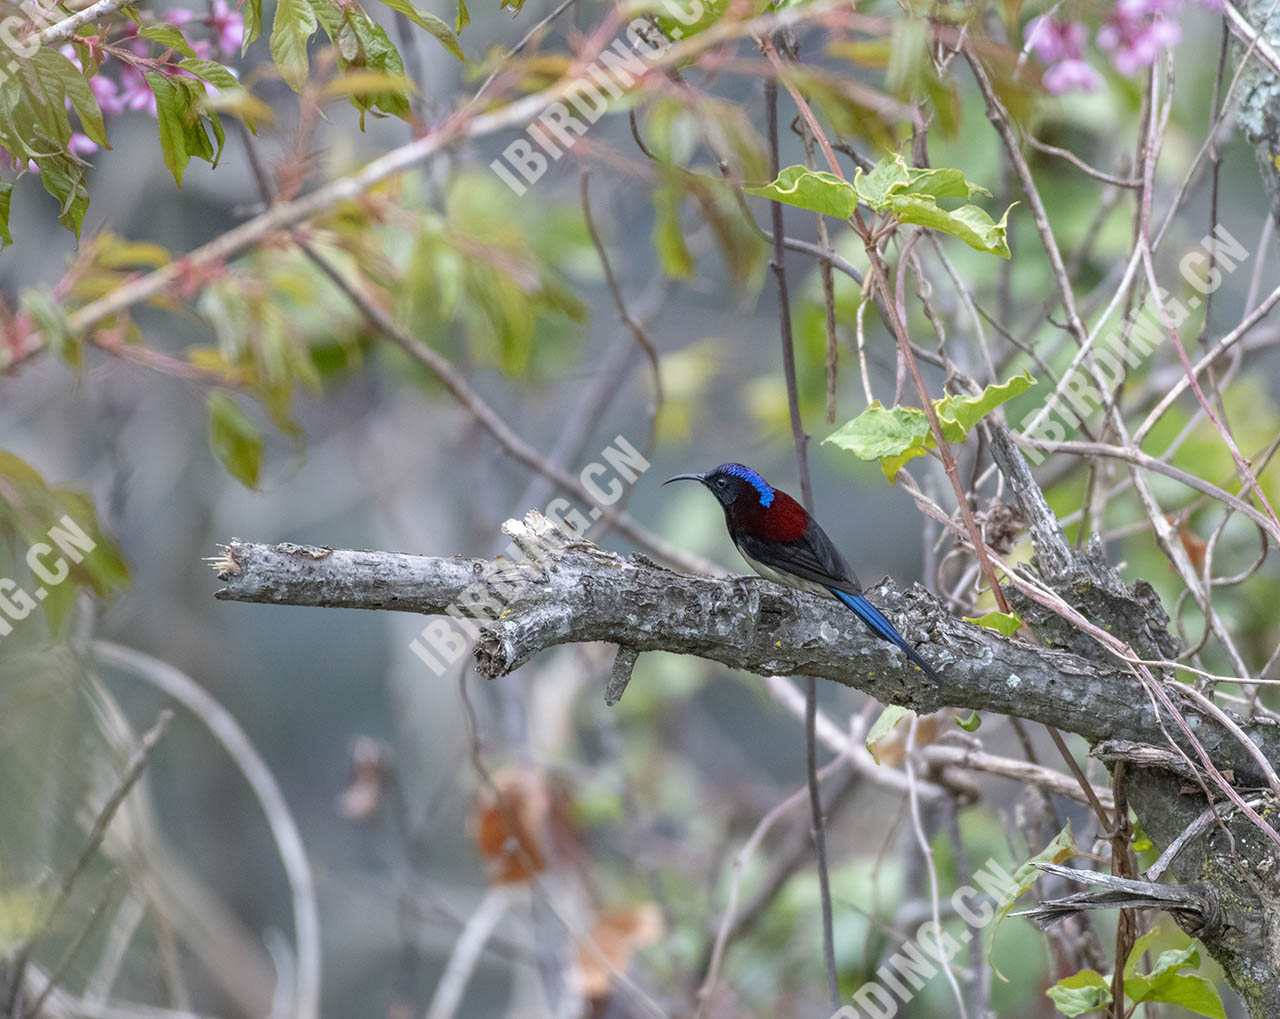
(782,543)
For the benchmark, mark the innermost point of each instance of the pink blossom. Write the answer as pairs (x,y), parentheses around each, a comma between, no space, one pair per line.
(9,163)
(1071,76)
(228,26)
(1134,44)
(107,93)
(178,16)
(1055,40)
(81,144)
(135,93)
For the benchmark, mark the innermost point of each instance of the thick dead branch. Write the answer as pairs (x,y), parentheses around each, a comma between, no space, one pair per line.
(1196,906)
(573,591)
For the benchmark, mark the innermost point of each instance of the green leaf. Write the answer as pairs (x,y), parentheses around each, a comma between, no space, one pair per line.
(815,190)
(897,435)
(36,512)
(430,23)
(23,913)
(958,414)
(168,35)
(463,18)
(235,439)
(232,97)
(889,717)
(63,177)
(1086,991)
(212,72)
(52,320)
(892,435)
(970,722)
(910,194)
(364,46)
(293,27)
(1006,622)
(888,177)
(941,182)
(1190,990)
(1062,847)
(668,236)
(6,190)
(171,118)
(1166,983)
(251,11)
(71,85)
(969,223)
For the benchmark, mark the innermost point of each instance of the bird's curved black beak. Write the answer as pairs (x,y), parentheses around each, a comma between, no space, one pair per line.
(687,477)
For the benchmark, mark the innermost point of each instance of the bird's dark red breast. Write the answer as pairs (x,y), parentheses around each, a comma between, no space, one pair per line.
(783,519)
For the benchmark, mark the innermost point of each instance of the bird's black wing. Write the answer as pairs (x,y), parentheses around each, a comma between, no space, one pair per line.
(811,557)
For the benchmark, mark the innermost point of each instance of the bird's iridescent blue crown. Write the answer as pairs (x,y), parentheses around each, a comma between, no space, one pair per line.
(750,477)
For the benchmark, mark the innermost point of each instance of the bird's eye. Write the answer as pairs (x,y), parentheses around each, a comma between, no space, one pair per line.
(721,482)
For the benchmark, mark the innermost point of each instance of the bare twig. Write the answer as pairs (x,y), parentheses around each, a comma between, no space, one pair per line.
(101,822)
(284,829)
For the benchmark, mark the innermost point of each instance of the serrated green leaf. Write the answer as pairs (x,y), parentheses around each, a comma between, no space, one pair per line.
(235,439)
(171,121)
(6,191)
(889,717)
(815,190)
(430,23)
(170,36)
(294,25)
(1086,991)
(1006,622)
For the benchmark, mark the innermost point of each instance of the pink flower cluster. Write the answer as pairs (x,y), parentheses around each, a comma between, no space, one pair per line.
(131,92)
(1134,34)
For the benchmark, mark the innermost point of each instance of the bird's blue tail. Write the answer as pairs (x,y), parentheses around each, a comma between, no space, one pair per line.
(882,628)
